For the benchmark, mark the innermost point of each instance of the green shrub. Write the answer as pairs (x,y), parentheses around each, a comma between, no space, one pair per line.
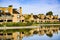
(29,23)
(9,24)
(1,25)
(21,24)
(16,24)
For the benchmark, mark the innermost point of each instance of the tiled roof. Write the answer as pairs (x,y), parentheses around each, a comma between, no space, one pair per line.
(15,12)
(35,16)
(7,13)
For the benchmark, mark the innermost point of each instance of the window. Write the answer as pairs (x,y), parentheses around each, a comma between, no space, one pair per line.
(22,20)
(18,16)
(22,32)
(32,20)
(1,20)
(9,33)
(1,34)
(9,20)
(41,21)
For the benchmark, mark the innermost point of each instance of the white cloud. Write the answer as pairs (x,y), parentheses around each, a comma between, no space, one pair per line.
(41,6)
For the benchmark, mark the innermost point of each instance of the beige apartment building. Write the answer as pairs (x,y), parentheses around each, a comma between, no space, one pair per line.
(10,14)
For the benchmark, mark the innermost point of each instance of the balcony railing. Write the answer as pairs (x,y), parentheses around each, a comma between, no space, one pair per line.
(5,17)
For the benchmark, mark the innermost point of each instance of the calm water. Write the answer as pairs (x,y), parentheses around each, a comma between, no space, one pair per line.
(44,36)
(44,33)
(55,36)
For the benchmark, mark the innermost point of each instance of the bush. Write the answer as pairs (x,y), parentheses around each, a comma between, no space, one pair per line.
(21,24)
(18,24)
(9,24)
(29,23)
(1,25)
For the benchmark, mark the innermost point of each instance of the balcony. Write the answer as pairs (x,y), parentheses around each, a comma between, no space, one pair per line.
(5,17)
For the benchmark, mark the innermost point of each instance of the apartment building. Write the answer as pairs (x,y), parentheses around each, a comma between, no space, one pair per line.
(10,14)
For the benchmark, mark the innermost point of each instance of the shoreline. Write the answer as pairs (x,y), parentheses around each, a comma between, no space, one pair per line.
(25,27)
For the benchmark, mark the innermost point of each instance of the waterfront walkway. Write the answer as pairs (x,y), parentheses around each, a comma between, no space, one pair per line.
(24,27)
(48,24)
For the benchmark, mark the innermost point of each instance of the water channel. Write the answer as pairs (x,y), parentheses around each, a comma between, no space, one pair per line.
(42,33)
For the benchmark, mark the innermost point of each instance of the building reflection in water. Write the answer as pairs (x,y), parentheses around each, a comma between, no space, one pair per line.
(19,35)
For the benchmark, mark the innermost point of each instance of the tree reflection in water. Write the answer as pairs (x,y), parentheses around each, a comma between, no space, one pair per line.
(49,35)
(49,31)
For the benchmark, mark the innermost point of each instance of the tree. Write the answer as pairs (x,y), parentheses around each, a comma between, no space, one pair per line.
(49,13)
(39,15)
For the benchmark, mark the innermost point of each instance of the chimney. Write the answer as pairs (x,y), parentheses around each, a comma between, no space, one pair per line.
(10,9)
(20,11)
(31,14)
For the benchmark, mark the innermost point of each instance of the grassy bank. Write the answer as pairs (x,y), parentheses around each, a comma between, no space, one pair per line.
(11,24)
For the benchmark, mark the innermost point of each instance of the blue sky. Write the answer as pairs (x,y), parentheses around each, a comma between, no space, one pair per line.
(34,6)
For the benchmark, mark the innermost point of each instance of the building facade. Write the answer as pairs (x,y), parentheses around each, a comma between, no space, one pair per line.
(9,14)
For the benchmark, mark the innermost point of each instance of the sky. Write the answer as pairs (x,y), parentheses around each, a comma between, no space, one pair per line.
(34,6)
